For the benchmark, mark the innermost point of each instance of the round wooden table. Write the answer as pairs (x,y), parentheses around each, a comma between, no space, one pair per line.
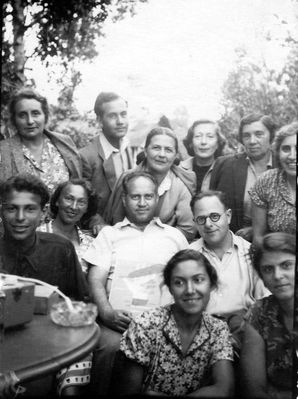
(41,347)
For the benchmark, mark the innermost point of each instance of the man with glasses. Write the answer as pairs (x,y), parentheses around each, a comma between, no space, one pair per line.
(239,285)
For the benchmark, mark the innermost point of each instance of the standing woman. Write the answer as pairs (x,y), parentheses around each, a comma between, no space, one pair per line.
(204,143)
(179,349)
(176,186)
(72,203)
(268,342)
(274,193)
(52,157)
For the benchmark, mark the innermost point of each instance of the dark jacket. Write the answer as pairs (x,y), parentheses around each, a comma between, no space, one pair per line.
(100,171)
(229,175)
(51,259)
(12,159)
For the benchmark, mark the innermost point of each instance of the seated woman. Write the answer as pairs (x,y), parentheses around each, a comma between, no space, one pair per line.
(267,351)
(204,143)
(175,185)
(274,193)
(179,349)
(72,202)
(34,149)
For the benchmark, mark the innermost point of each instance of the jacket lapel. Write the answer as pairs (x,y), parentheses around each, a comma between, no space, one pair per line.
(107,165)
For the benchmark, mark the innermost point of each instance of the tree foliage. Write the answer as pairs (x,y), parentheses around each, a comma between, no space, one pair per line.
(255,87)
(65,30)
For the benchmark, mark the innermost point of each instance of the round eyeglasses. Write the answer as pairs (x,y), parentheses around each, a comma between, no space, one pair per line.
(214,217)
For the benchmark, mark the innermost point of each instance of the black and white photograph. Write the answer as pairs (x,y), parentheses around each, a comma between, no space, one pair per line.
(148,174)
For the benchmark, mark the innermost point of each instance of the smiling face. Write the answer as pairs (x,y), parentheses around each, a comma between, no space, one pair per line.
(288,155)
(114,120)
(215,234)
(160,154)
(72,204)
(205,142)
(140,201)
(21,214)
(190,286)
(278,273)
(256,140)
(29,119)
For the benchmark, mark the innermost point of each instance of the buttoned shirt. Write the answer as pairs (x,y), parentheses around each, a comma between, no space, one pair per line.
(85,239)
(153,341)
(51,258)
(239,285)
(119,155)
(125,242)
(252,176)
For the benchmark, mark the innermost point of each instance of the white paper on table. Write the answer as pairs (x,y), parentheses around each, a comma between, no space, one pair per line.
(137,287)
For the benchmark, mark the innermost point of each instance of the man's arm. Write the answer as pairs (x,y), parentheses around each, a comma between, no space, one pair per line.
(117,320)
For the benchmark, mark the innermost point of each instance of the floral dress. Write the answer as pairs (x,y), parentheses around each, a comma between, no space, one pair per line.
(153,341)
(271,192)
(265,317)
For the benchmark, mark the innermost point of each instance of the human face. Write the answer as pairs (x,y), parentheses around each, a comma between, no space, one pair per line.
(140,201)
(278,272)
(256,140)
(160,154)
(72,204)
(114,121)
(215,234)
(29,119)
(190,286)
(205,142)
(21,214)
(288,155)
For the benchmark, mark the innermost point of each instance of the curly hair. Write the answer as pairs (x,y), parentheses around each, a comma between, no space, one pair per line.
(91,195)
(221,140)
(25,182)
(189,254)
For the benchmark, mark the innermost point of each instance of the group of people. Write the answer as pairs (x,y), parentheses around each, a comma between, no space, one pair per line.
(191,263)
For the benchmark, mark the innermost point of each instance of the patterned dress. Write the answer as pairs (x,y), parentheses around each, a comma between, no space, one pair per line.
(52,169)
(265,317)
(271,192)
(153,341)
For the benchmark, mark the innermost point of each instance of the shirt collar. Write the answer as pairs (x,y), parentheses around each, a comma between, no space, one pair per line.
(166,184)
(235,244)
(269,163)
(125,222)
(108,148)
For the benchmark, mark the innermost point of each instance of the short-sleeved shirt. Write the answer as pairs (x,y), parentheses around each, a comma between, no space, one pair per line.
(124,242)
(52,169)
(265,317)
(51,259)
(153,341)
(271,192)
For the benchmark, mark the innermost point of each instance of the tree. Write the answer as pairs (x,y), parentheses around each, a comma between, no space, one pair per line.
(65,29)
(255,87)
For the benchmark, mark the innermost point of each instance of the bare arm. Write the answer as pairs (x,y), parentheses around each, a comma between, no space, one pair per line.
(259,222)
(253,364)
(115,319)
(223,382)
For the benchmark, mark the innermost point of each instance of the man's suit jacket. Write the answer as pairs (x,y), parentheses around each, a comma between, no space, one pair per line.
(229,175)
(100,171)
